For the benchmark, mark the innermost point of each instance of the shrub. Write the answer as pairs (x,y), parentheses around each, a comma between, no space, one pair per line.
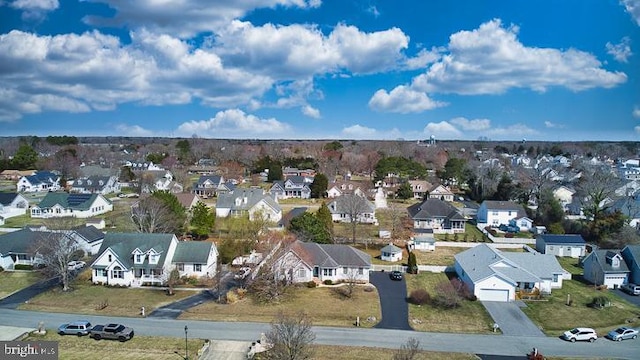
(1,269)
(368,289)
(419,297)
(232,297)
(328,282)
(509,235)
(311,284)
(242,292)
(447,295)
(600,302)
(23,267)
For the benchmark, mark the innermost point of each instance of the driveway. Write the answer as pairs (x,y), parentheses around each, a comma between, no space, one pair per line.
(393,301)
(634,299)
(511,319)
(14,300)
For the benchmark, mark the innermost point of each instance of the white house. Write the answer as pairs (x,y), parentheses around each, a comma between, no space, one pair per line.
(496,213)
(304,262)
(39,181)
(292,187)
(524,223)
(564,195)
(344,207)
(62,204)
(340,188)
(96,185)
(253,202)
(492,275)
(441,192)
(436,216)
(19,248)
(12,204)
(136,259)
(572,245)
(422,243)
(419,188)
(391,253)
(605,267)
(88,237)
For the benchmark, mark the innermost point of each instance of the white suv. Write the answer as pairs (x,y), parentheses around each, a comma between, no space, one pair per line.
(631,289)
(580,334)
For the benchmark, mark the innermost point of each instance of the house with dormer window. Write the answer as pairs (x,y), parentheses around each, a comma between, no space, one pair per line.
(420,188)
(249,202)
(294,187)
(340,188)
(441,192)
(136,259)
(96,185)
(605,267)
(212,185)
(39,181)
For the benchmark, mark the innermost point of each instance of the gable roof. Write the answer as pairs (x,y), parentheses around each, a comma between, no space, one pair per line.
(293,213)
(562,239)
(42,177)
(483,261)
(80,202)
(252,195)
(90,233)
(123,245)
(434,208)
(603,259)
(186,199)
(634,251)
(330,255)
(7,198)
(92,183)
(196,252)
(504,205)
(214,179)
(340,204)
(17,242)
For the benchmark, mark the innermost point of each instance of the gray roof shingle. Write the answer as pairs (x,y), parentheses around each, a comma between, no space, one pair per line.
(331,255)
(123,245)
(562,239)
(196,252)
(434,208)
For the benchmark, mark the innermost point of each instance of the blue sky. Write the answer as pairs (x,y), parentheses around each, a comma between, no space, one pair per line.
(322,69)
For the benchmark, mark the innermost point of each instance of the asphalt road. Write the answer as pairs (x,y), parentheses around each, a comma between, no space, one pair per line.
(242,331)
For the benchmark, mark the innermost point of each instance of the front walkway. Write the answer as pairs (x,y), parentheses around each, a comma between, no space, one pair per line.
(510,318)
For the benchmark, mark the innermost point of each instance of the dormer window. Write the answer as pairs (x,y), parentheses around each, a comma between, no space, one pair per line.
(153,258)
(139,259)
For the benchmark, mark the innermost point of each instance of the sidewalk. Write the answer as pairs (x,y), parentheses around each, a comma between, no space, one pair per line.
(10,333)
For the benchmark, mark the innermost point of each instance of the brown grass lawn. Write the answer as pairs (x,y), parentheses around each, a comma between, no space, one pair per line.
(327,352)
(86,297)
(470,317)
(120,218)
(317,303)
(579,314)
(442,256)
(140,347)
(11,281)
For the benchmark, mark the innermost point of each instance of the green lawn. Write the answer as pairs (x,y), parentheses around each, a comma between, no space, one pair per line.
(21,221)
(554,316)
(85,298)
(471,234)
(119,219)
(570,264)
(470,317)
(11,281)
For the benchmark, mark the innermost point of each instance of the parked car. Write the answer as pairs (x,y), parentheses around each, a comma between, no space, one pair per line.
(80,328)
(509,228)
(242,273)
(111,331)
(623,333)
(580,334)
(396,275)
(630,288)
(76,265)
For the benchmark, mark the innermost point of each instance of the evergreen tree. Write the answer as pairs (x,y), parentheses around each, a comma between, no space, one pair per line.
(179,214)
(319,186)
(412,263)
(25,158)
(275,172)
(404,191)
(203,220)
(308,227)
(324,215)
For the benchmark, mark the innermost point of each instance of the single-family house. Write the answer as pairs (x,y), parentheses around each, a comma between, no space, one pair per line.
(629,206)
(187,200)
(293,187)
(39,181)
(441,192)
(19,248)
(62,204)
(492,275)
(212,185)
(253,202)
(496,213)
(159,180)
(419,188)
(12,204)
(572,245)
(345,207)
(307,261)
(88,237)
(524,223)
(136,259)
(12,174)
(292,214)
(288,172)
(96,185)
(340,188)
(422,242)
(436,216)
(605,267)
(631,256)
(391,253)
(564,195)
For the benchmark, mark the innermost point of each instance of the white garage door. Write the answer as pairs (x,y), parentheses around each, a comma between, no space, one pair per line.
(494,295)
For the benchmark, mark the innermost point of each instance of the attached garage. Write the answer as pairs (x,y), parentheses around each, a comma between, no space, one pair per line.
(493,294)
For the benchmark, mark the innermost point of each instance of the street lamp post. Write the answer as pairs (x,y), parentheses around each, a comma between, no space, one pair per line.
(186,346)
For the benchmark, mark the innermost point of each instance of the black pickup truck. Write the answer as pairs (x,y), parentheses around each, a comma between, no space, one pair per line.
(112,332)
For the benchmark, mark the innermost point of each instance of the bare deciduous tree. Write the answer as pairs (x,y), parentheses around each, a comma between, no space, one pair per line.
(270,280)
(290,338)
(150,215)
(596,186)
(354,207)
(408,350)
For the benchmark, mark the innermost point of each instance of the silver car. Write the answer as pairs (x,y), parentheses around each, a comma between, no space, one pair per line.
(80,328)
(622,333)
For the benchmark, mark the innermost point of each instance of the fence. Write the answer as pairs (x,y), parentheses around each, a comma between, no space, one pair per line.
(481,227)
(400,268)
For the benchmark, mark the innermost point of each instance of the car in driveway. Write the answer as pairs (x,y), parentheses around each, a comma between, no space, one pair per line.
(242,273)
(631,289)
(623,333)
(80,328)
(396,275)
(75,265)
(580,334)
(112,332)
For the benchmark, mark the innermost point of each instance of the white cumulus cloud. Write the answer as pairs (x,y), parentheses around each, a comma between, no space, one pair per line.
(491,60)
(133,130)
(622,51)
(636,112)
(403,100)
(235,123)
(311,112)
(359,132)
(471,125)
(442,130)
(551,125)
(34,9)
(633,8)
